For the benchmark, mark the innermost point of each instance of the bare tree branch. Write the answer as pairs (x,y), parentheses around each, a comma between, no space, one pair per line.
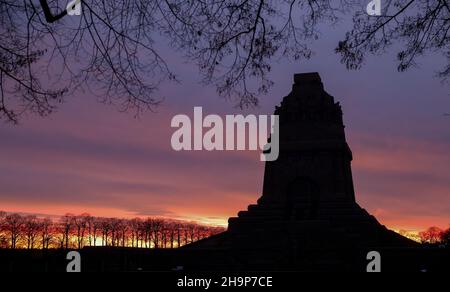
(111,50)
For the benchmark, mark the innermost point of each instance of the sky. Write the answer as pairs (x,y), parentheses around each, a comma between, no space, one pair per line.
(89,157)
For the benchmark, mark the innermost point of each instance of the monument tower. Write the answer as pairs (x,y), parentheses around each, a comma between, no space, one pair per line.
(313,168)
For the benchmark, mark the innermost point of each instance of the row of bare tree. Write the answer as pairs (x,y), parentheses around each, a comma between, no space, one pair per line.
(433,235)
(78,231)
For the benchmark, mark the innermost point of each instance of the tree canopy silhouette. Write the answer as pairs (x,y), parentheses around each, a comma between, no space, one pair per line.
(112,48)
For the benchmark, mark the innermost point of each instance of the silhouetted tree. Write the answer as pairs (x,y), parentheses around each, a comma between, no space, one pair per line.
(3,240)
(114,224)
(81,224)
(179,230)
(13,226)
(105,228)
(191,229)
(124,232)
(46,229)
(432,235)
(31,230)
(112,46)
(156,230)
(58,234)
(445,237)
(91,228)
(67,224)
(96,226)
(421,26)
(135,226)
(171,232)
(146,232)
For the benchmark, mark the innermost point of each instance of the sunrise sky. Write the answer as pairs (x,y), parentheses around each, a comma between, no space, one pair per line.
(88,157)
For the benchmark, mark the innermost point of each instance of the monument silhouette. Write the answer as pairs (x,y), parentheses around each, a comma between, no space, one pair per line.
(307,216)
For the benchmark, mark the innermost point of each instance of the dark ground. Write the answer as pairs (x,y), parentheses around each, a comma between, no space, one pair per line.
(133,259)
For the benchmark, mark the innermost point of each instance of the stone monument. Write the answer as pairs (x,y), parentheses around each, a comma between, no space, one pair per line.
(307,217)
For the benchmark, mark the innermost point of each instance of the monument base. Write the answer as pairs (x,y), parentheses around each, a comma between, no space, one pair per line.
(340,235)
